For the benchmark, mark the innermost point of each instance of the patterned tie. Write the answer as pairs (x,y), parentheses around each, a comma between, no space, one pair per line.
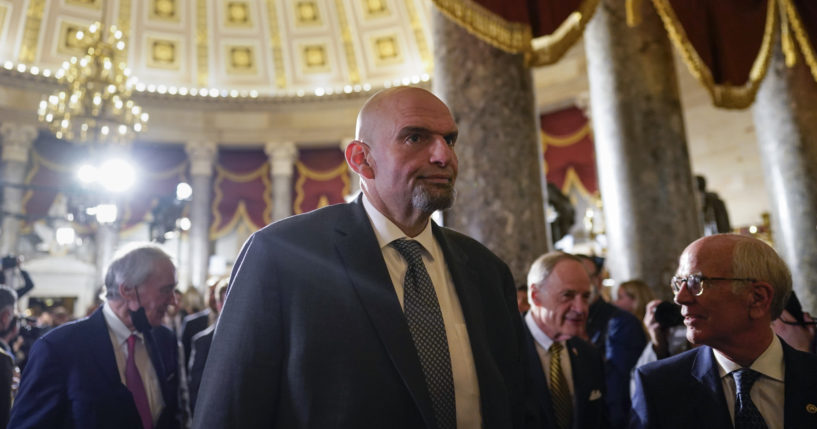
(134,382)
(560,393)
(747,415)
(427,329)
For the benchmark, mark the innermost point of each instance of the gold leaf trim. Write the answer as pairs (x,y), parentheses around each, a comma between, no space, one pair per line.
(801,36)
(305,172)
(562,141)
(511,37)
(551,48)
(723,95)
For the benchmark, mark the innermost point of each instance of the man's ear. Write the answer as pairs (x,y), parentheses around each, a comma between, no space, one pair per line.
(126,292)
(760,299)
(357,154)
(534,294)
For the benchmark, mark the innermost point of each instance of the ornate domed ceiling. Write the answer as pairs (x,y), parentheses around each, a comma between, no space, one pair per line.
(234,47)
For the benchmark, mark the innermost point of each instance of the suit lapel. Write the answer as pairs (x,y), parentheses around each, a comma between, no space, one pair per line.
(800,408)
(358,249)
(581,381)
(709,400)
(101,349)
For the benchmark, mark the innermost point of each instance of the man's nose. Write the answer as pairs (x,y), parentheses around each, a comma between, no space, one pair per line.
(683,296)
(442,153)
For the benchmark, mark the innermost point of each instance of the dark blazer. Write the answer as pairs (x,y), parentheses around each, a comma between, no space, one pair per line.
(685,391)
(192,324)
(589,408)
(312,333)
(198,356)
(72,381)
(6,381)
(620,337)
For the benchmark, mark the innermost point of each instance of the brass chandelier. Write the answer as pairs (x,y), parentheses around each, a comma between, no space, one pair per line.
(94,104)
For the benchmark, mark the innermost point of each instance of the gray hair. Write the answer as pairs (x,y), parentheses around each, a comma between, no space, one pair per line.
(544,265)
(752,258)
(131,267)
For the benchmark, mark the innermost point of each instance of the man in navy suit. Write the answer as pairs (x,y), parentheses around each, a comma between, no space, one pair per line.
(730,288)
(559,289)
(316,328)
(116,368)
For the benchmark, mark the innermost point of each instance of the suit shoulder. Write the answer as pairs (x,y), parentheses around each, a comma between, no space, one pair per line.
(201,336)
(677,364)
(68,332)
(471,245)
(297,225)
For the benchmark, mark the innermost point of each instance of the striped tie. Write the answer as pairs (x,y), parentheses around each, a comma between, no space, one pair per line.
(560,394)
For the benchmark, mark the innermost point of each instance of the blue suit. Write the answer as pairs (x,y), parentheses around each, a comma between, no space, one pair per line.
(685,391)
(72,380)
(620,336)
(589,408)
(312,333)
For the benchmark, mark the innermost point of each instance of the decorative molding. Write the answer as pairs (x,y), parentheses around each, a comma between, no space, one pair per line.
(202,157)
(282,157)
(17,141)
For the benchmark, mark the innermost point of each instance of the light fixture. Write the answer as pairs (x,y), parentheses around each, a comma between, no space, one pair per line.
(65,235)
(95,105)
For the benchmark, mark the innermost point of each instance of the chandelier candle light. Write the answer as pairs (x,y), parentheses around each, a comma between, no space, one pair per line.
(96,107)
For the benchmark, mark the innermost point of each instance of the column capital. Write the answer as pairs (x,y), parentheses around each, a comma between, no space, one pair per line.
(282,157)
(202,157)
(17,141)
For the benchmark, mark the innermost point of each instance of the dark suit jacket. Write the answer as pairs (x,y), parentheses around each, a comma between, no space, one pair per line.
(312,333)
(6,381)
(198,356)
(72,381)
(191,325)
(619,335)
(588,382)
(685,391)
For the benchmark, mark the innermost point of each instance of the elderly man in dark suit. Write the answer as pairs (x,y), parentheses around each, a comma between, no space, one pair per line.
(368,314)
(730,288)
(567,372)
(116,368)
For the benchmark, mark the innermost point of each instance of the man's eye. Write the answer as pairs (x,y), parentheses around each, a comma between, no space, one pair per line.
(451,141)
(414,138)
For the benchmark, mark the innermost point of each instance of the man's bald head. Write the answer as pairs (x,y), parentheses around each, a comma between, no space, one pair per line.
(380,107)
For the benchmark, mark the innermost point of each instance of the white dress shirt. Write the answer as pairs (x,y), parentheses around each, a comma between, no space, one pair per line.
(119,334)
(543,343)
(466,387)
(768,392)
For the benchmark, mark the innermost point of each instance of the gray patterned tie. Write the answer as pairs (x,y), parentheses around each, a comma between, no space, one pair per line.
(747,415)
(427,329)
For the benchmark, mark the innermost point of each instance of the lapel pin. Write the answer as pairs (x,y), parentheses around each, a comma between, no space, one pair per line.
(811,408)
(575,352)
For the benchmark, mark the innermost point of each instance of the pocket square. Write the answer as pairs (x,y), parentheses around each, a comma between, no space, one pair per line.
(595,394)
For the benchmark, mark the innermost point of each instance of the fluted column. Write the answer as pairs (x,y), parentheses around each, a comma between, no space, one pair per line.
(645,177)
(500,200)
(785,116)
(282,161)
(17,142)
(202,158)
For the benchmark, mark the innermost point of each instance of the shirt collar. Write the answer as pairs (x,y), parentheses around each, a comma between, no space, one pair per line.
(769,363)
(540,337)
(386,231)
(116,325)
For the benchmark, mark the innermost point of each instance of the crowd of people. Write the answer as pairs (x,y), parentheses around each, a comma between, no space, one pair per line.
(368,315)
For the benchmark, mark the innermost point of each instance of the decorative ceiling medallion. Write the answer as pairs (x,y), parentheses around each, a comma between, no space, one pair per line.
(163,53)
(241,60)
(68,44)
(376,8)
(307,13)
(93,4)
(315,59)
(165,10)
(238,14)
(387,50)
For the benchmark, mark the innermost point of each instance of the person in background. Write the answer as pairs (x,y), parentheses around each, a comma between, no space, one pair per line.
(522,299)
(620,337)
(8,373)
(567,372)
(730,287)
(117,368)
(200,347)
(795,326)
(633,296)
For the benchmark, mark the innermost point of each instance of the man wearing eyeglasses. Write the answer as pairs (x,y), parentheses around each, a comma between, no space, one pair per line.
(730,288)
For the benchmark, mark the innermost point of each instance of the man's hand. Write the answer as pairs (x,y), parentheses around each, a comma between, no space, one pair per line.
(658,335)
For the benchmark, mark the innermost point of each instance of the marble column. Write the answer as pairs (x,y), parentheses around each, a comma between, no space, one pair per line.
(500,198)
(17,142)
(282,162)
(643,164)
(106,238)
(202,158)
(785,116)
(354,179)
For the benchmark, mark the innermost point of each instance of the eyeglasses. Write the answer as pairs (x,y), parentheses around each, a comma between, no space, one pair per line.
(695,282)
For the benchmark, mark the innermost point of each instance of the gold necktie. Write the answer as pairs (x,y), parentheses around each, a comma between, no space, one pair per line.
(559,392)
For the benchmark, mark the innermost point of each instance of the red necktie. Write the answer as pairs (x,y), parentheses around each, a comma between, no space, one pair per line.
(134,382)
